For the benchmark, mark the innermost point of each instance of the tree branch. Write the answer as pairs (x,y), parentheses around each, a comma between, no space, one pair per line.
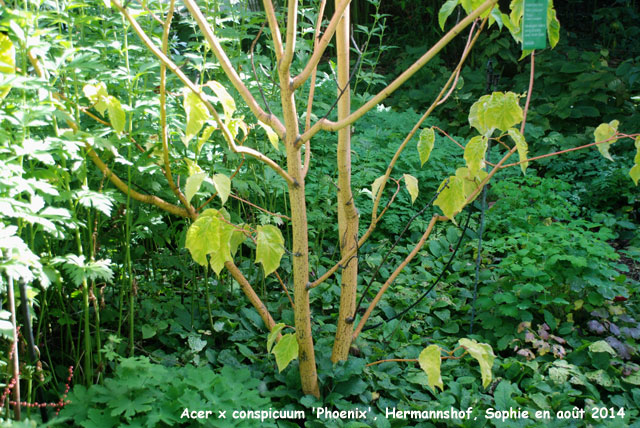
(322,45)
(328,125)
(274,27)
(174,68)
(395,274)
(231,73)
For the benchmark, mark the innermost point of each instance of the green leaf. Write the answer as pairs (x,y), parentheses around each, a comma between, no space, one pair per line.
(269,248)
(603,132)
(97,94)
(193,184)
(375,187)
(196,112)
(425,144)
(602,346)
(210,235)
(474,153)
(228,104)
(483,354)
(117,116)
(223,186)
(7,55)
(522,146)
(451,198)
(445,11)
(429,360)
(273,334)
(286,350)
(496,111)
(553,25)
(412,186)
(271,134)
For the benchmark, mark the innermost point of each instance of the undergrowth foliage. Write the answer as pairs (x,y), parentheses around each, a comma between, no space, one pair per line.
(166,163)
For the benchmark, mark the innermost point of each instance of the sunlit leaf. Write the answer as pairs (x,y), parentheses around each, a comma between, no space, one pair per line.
(445,11)
(210,235)
(522,147)
(425,144)
(286,350)
(553,25)
(7,55)
(602,346)
(483,354)
(117,116)
(451,199)
(474,153)
(429,360)
(603,132)
(375,187)
(228,104)
(193,184)
(496,111)
(222,184)
(97,94)
(271,134)
(273,334)
(235,125)
(412,186)
(269,248)
(196,112)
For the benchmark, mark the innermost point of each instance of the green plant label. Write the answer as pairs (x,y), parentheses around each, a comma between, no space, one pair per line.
(534,24)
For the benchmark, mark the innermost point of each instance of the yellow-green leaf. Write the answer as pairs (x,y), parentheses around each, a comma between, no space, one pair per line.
(375,187)
(237,237)
(97,94)
(603,132)
(204,137)
(635,170)
(7,55)
(193,184)
(451,198)
(210,235)
(273,334)
(286,350)
(228,104)
(553,25)
(474,153)
(234,125)
(117,116)
(483,354)
(522,147)
(445,11)
(197,114)
(496,111)
(271,134)
(222,184)
(412,186)
(425,144)
(429,360)
(269,248)
(470,181)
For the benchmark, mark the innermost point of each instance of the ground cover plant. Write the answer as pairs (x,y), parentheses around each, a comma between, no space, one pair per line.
(166,163)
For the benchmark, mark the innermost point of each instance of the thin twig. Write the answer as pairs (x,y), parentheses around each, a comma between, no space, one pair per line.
(286,290)
(253,67)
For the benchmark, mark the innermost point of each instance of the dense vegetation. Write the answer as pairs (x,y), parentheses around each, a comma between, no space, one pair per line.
(129,330)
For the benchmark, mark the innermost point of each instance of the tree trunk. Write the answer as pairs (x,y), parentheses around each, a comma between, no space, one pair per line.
(347,212)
